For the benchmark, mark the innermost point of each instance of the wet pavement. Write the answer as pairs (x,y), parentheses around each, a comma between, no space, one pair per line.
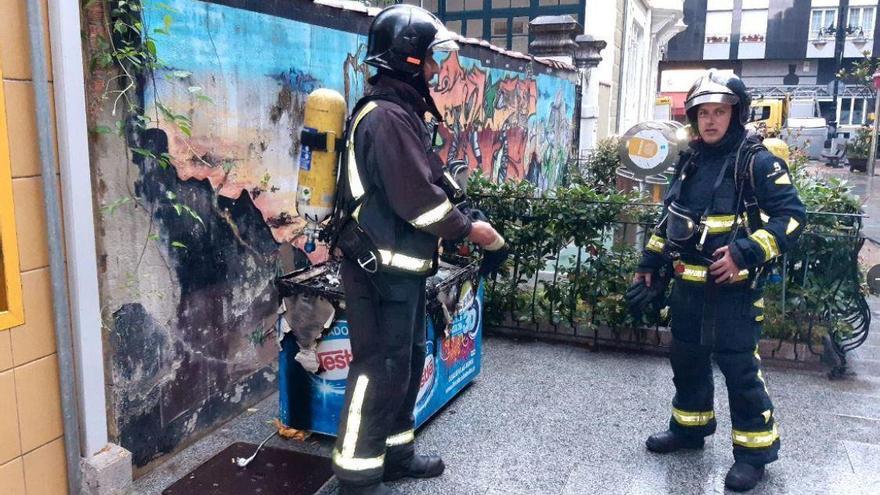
(558,419)
(549,418)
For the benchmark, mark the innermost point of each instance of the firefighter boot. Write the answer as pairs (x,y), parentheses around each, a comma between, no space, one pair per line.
(667,441)
(377,489)
(418,466)
(742,476)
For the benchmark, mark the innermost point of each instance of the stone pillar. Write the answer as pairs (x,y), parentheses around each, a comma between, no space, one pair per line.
(553,37)
(586,59)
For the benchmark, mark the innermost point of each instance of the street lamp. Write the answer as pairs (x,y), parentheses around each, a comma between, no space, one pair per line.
(873,155)
(840,33)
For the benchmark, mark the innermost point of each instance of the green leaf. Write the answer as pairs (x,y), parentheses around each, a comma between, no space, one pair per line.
(151,46)
(165,160)
(102,129)
(170,195)
(184,128)
(193,214)
(167,21)
(179,245)
(111,208)
(143,152)
(153,237)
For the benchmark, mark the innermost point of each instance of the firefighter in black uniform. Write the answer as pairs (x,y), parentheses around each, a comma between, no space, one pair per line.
(394,195)
(730,211)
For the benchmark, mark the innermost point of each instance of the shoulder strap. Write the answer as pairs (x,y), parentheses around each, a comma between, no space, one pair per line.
(349,177)
(682,167)
(745,185)
(345,200)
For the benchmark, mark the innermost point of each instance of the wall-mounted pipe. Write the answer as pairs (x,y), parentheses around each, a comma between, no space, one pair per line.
(60,306)
(79,223)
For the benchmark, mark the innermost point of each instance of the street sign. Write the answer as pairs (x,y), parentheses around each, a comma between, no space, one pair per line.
(651,147)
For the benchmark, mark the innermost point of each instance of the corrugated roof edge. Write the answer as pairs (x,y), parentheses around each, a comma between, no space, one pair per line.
(354,6)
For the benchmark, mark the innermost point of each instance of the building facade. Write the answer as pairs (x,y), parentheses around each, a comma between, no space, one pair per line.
(637,32)
(777,47)
(504,23)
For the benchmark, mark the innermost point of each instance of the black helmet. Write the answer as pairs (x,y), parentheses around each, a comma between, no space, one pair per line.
(401,35)
(715,87)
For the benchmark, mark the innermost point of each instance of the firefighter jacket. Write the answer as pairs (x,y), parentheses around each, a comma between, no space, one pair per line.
(392,176)
(766,181)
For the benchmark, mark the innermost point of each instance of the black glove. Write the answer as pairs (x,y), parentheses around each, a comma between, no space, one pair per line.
(476,215)
(492,260)
(640,298)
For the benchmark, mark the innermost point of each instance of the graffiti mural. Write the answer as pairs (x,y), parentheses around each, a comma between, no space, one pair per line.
(507,124)
(510,124)
(238,73)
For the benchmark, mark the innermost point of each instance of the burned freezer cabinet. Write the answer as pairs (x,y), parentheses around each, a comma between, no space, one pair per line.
(315,350)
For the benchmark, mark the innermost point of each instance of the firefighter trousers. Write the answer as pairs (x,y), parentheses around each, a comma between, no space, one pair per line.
(386,321)
(738,311)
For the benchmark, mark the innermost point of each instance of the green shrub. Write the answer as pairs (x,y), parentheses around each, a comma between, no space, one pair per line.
(860,146)
(599,168)
(574,260)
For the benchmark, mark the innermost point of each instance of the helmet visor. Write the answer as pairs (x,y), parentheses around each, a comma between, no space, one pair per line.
(443,41)
(708,91)
(725,98)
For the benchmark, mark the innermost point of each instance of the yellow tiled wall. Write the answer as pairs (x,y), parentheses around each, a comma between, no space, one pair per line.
(31,444)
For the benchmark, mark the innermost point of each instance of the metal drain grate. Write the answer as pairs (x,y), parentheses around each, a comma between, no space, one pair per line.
(274,471)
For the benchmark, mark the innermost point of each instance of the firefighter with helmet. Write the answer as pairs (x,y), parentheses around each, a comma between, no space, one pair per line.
(730,211)
(395,207)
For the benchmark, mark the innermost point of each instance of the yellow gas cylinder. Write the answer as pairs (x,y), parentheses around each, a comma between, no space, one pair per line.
(778,147)
(321,134)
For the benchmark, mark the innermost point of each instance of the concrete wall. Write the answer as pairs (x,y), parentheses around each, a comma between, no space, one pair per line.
(31,444)
(191,308)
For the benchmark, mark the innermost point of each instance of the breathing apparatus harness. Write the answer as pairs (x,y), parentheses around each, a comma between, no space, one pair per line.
(344,231)
(686,229)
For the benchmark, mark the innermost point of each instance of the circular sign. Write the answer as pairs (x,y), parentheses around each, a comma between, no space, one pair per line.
(874,279)
(650,148)
(647,149)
